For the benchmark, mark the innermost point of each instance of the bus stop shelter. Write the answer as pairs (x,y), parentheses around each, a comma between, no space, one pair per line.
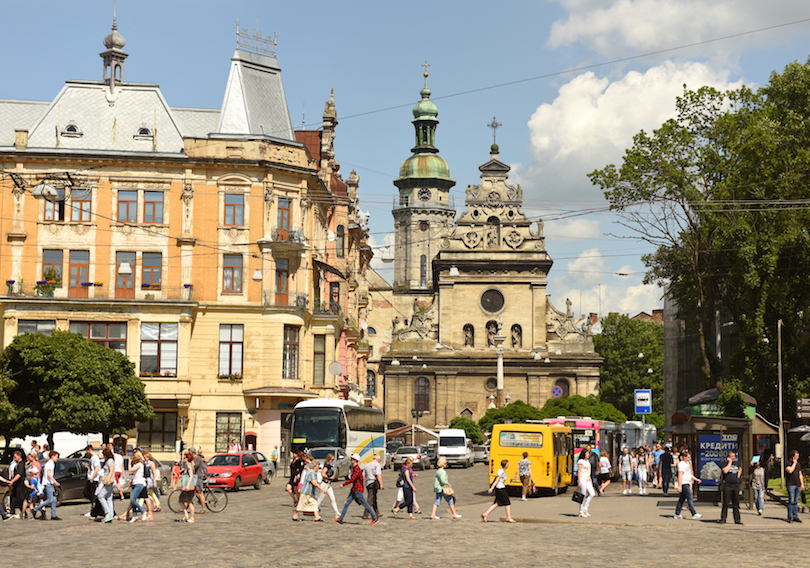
(709,439)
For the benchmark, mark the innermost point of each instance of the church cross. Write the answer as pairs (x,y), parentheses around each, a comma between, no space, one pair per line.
(494,125)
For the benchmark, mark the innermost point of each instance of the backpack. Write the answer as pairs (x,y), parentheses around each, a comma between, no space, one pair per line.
(147,470)
(401,479)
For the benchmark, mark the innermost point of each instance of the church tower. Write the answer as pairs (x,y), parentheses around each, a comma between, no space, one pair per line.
(423,211)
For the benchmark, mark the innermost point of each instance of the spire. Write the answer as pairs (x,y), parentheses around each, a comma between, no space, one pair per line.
(425,120)
(113,57)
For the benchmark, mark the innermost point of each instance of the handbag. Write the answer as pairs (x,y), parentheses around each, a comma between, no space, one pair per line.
(577,496)
(400,495)
(447,490)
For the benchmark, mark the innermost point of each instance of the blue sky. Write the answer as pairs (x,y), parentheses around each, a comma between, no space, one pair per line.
(555,129)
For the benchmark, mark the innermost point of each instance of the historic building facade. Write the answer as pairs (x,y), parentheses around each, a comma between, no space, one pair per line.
(473,326)
(218,248)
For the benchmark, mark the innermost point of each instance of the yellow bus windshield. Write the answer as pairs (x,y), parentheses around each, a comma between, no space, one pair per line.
(520,439)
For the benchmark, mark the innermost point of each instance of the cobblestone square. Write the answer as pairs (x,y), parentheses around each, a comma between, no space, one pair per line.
(255,530)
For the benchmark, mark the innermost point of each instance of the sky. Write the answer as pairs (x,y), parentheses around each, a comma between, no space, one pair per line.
(571,82)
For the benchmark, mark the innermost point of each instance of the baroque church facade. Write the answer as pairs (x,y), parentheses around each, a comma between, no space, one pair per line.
(472,324)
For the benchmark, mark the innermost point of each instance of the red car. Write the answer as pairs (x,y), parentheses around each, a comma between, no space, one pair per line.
(232,471)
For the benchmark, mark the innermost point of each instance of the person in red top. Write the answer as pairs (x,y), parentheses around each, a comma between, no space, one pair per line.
(356,494)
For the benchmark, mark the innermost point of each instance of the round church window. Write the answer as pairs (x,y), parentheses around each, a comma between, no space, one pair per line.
(492,301)
(423,226)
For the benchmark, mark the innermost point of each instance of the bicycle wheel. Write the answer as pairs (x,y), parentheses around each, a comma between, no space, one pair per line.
(216,500)
(174,501)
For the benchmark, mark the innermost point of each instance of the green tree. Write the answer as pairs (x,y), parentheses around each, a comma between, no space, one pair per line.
(68,383)
(576,405)
(471,428)
(720,192)
(630,349)
(516,412)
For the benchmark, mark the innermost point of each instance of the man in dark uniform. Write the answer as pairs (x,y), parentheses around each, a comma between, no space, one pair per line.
(731,488)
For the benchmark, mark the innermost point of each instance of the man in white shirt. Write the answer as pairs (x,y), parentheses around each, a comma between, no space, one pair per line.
(93,477)
(49,484)
(372,477)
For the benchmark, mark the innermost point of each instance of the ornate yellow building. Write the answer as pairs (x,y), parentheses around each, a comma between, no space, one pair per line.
(218,248)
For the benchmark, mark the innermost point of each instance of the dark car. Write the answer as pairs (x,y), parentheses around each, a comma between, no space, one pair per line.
(71,473)
(232,471)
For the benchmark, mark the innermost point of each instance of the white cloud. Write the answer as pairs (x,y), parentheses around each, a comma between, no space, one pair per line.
(649,25)
(580,229)
(589,284)
(593,120)
(383,248)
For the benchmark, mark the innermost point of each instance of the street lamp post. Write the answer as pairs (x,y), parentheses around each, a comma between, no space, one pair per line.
(417,414)
(499,338)
(779,325)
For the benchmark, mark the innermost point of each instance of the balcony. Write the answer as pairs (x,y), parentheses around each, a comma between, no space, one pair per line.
(403,202)
(286,299)
(285,241)
(327,308)
(90,291)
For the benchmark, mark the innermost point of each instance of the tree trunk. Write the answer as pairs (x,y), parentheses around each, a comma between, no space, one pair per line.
(50,441)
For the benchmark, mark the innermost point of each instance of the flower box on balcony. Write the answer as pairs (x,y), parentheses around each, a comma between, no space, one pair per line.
(87,284)
(230,376)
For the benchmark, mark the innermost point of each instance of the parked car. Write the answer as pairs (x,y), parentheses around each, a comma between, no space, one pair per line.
(268,467)
(392,446)
(8,455)
(480,454)
(405,452)
(343,463)
(430,455)
(232,471)
(71,473)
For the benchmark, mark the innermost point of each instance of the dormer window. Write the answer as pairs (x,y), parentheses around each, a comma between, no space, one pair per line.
(143,133)
(72,130)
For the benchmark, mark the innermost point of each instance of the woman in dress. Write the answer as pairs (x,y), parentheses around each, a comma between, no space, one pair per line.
(605,468)
(501,496)
(296,467)
(326,475)
(585,482)
(524,470)
(409,489)
(439,483)
(189,486)
(643,464)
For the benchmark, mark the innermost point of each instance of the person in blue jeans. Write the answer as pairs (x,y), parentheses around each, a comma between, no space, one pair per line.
(685,479)
(49,485)
(795,485)
(137,484)
(356,481)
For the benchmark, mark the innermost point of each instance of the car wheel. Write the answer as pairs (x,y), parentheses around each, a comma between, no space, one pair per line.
(164,486)
(59,496)
(267,477)
(258,484)
(237,483)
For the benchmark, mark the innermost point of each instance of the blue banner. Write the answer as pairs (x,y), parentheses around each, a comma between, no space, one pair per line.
(712,452)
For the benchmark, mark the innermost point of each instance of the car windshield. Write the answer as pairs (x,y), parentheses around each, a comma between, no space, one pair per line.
(231,460)
(407,450)
(321,453)
(452,441)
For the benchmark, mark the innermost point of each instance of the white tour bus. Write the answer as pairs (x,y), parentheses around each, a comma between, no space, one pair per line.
(339,423)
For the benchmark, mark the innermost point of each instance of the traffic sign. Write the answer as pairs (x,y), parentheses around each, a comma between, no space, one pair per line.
(803,408)
(643,401)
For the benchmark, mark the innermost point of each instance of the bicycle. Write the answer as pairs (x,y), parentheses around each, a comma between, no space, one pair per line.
(215,499)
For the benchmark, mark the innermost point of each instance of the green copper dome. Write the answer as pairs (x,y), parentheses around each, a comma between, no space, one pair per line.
(425,109)
(424,165)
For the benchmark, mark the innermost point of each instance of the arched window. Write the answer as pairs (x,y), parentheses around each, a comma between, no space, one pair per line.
(339,241)
(492,331)
(469,335)
(371,384)
(423,271)
(517,336)
(371,331)
(562,389)
(421,390)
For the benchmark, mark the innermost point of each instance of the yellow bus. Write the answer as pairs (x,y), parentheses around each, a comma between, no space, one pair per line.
(550,448)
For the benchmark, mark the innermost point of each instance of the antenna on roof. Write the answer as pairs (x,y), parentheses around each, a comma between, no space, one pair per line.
(255,41)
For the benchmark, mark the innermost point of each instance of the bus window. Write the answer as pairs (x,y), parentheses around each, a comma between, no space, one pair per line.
(318,427)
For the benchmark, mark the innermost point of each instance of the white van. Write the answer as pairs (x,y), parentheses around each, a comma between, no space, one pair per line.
(455,447)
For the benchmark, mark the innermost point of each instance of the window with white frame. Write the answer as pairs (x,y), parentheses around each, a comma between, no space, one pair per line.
(159,348)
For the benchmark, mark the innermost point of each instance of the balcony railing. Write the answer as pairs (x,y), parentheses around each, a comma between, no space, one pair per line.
(289,236)
(332,308)
(402,202)
(92,291)
(286,299)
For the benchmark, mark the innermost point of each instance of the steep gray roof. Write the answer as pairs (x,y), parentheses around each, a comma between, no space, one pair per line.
(254,100)
(105,125)
(196,122)
(18,115)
